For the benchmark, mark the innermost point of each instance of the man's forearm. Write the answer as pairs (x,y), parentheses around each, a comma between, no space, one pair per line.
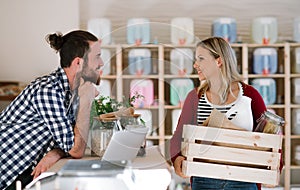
(78,149)
(81,130)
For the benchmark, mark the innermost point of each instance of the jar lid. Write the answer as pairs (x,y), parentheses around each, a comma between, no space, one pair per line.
(274,118)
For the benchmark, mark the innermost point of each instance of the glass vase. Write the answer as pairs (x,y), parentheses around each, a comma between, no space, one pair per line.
(101,133)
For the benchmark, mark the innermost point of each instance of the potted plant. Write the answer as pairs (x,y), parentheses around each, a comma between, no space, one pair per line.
(107,107)
(108,115)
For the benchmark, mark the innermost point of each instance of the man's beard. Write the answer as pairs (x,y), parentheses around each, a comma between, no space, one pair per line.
(93,79)
(90,76)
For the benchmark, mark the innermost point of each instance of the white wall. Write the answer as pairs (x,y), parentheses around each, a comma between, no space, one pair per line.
(24,24)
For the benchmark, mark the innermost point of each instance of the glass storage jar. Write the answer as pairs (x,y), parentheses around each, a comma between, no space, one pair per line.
(101,133)
(270,123)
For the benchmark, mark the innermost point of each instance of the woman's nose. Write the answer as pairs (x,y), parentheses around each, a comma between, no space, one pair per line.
(196,65)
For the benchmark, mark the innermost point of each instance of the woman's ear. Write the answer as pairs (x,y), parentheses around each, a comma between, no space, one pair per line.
(219,62)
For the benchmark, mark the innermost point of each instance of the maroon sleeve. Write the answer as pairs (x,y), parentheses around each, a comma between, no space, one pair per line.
(188,116)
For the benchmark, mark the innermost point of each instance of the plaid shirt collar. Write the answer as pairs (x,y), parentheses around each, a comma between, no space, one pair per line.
(64,79)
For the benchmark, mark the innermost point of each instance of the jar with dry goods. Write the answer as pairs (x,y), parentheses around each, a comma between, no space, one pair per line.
(270,123)
(101,133)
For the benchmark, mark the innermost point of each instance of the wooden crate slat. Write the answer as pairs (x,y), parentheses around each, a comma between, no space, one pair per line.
(244,138)
(229,154)
(230,172)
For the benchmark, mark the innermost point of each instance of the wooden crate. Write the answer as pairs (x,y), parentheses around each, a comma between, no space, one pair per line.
(231,154)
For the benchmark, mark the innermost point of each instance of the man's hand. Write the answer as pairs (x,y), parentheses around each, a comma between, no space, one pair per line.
(87,92)
(178,166)
(49,160)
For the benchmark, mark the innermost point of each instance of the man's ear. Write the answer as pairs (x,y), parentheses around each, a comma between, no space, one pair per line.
(77,63)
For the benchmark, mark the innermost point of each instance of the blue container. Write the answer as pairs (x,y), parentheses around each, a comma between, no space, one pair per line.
(138,31)
(139,61)
(225,28)
(267,89)
(265,61)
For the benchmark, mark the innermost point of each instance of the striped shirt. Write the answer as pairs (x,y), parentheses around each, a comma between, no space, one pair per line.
(205,108)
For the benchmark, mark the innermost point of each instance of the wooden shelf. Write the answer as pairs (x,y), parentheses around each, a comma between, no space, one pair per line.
(163,120)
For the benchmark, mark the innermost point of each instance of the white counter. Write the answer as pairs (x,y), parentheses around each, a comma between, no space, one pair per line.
(151,172)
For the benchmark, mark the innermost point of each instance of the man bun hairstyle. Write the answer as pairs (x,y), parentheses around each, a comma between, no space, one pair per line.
(55,40)
(71,45)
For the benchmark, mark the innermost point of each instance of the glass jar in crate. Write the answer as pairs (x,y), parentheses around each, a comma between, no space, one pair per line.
(101,133)
(270,123)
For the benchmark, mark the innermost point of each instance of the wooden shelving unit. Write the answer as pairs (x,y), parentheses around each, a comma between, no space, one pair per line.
(161,112)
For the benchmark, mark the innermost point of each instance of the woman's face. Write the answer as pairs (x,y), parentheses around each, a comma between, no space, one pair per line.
(205,64)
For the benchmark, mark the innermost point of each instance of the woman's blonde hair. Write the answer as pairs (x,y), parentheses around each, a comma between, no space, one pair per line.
(219,48)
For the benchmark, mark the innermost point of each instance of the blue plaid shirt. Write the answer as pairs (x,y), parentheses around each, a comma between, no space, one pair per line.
(38,120)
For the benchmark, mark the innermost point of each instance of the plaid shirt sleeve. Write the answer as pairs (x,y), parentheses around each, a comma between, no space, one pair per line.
(34,123)
(49,103)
